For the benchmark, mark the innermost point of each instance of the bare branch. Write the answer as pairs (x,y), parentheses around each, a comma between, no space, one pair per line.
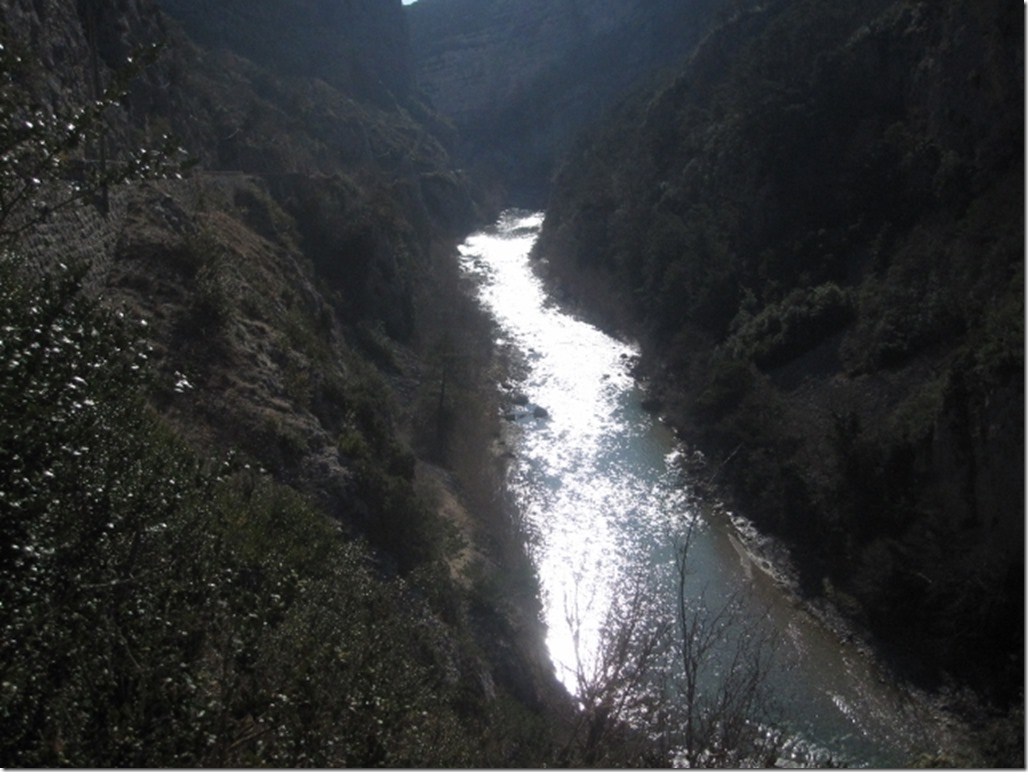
(689,686)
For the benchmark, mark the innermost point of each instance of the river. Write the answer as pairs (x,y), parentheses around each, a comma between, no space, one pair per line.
(600,485)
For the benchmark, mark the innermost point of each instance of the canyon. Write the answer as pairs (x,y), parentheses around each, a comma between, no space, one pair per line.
(240,225)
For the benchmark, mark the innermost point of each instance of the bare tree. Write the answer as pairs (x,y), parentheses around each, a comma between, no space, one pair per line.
(619,694)
(720,687)
(682,682)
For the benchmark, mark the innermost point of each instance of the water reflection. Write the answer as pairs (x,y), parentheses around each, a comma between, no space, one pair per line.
(574,483)
(597,481)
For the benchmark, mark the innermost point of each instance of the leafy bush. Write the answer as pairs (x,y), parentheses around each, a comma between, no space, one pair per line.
(784,330)
(164,610)
(729,380)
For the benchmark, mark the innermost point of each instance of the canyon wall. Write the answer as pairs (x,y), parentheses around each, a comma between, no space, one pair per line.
(817,226)
(519,79)
(229,548)
(359,46)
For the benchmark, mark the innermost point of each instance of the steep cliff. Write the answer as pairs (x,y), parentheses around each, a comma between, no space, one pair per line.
(358,46)
(241,532)
(520,78)
(233,113)
(817,228)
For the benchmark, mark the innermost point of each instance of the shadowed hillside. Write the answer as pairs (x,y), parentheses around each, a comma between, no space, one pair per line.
(520,77)
(253,509)
(358,46)
(817,228)
(241,527)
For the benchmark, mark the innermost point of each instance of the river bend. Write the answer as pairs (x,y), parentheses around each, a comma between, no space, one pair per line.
(599,483)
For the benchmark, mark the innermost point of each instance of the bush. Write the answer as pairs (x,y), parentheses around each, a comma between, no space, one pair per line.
(729,381)
(784,330)
(163,610)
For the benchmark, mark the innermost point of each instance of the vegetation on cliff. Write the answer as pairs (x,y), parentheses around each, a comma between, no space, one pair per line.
(225,444)
(167,608)
(817,229)
(247,519)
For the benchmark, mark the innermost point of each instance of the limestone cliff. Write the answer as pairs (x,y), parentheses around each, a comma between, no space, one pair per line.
(226,543)
(359,46)
(520,78)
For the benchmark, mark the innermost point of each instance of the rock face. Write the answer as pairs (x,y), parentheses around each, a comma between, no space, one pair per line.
(233,102)
(58,36)
(474,57)
(520,77)
(356,45)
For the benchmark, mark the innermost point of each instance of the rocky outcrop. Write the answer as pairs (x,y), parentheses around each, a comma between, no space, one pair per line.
(473,58)
(273,280)
(77,45)
(237,114)
(359,46)
(521,77)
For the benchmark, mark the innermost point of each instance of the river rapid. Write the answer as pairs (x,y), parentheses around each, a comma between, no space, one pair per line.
(599,483)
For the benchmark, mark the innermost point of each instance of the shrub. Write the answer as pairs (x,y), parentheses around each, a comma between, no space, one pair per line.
(784,330)
(164,610)
(729,381)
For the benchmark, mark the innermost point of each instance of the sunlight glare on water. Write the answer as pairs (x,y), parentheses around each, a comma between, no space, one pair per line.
(573,482)
(597,482)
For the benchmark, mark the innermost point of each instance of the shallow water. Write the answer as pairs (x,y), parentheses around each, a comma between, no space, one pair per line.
(599,483)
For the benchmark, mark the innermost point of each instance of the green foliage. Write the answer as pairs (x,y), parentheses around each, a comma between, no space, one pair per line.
(729,381)
(354,232)
(210,303)
(161,610)
(783,330)
(203,261)
(825,250)
(999,348)
(692,267)
(903,317)
(399,521)
(395,517)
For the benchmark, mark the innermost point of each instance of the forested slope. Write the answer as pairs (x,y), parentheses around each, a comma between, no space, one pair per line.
(816,227)
(242,525)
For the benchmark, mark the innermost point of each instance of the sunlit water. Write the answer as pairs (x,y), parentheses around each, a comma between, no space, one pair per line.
(597,480)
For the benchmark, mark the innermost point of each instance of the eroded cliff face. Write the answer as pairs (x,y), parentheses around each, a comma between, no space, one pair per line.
(63,37)
(519,79)
(473,58)
(359,46)
(235,104)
